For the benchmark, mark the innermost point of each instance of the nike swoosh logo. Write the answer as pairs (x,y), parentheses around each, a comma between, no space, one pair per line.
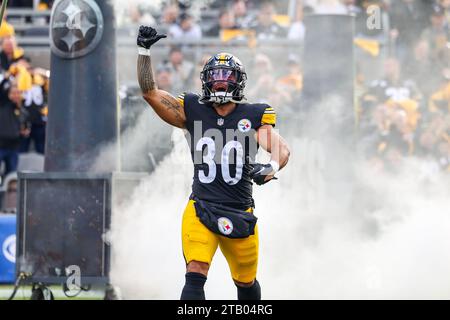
(260,171)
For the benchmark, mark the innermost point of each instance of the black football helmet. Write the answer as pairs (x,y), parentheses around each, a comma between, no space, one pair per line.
(223,79)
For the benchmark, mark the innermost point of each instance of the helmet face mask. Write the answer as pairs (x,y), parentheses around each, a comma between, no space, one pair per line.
(223,80)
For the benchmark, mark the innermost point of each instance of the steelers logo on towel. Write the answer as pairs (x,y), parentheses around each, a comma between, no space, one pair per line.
(76,28)
(244,125)
(225,226)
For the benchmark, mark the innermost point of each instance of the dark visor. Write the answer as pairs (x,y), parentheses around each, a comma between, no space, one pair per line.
(221,75)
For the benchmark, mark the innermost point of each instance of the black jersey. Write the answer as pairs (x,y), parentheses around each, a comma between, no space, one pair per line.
(223,149)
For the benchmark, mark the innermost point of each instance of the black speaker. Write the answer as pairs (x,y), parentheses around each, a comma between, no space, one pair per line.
(63,221)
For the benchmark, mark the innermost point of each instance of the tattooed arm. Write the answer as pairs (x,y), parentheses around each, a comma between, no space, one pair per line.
(165,105)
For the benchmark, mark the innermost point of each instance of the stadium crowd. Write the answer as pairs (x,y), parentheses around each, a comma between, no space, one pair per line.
(23,110)
(30,4)
(403,109)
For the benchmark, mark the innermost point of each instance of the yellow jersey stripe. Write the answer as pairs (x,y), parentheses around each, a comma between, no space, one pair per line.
(270,119)
(181,99)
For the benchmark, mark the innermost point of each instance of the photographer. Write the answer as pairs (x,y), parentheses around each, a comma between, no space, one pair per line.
(13,124)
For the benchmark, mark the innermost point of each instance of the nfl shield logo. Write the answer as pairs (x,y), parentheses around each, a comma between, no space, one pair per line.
(220,122)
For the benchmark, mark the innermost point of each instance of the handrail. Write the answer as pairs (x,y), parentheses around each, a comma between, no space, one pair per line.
(28,12)
(207,14)
(204,42)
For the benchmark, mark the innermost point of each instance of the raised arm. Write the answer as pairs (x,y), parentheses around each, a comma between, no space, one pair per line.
(165,105)
(272,142)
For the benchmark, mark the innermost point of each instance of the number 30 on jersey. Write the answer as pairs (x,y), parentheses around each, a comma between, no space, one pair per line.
(208,159)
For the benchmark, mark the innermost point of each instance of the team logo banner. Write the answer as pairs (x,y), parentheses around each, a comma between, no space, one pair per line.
(7,248)
(76,28)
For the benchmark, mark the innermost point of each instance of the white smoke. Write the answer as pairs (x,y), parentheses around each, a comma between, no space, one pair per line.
(147,260)
(136,148)
(375,236)
(310,246)
(399,250)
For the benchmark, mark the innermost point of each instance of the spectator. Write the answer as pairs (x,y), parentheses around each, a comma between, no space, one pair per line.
(262,77)
(440,100)
(393,104)
(13,125)
(393,118)
(226,22)
(10,52)
(408,19)
(394,86)
(45,4)
(297,28)
(422,69)
(186,28)
(265,26)
(428,143)
(170,15)
(198,69)
(261,65)
(35,103)
(6,30)
(140,14)
(292,83)
(266,88)
(393,151)
(164,79)
(434,142)
(438,37)
(135,12)
(445,4)
(242,18)
(180,69)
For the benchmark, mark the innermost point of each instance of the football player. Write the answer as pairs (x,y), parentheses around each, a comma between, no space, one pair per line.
(221,129)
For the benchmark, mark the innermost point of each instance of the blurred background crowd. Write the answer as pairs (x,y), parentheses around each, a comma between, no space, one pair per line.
(402,82)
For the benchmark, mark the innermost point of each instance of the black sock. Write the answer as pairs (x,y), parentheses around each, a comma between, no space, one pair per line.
(193,289)
(250,293)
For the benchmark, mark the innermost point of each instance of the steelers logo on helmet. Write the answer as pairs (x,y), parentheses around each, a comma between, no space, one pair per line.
(223,79)
(225,226)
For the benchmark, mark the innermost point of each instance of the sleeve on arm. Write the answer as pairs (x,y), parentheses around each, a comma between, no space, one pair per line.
(181,97)
(269,117)
(186,100)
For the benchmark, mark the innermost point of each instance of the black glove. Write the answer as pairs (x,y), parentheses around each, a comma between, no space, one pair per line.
(148,36)
(260,173)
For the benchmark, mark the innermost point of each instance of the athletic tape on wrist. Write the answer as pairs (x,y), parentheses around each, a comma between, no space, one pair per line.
(275,165)
(143,51)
